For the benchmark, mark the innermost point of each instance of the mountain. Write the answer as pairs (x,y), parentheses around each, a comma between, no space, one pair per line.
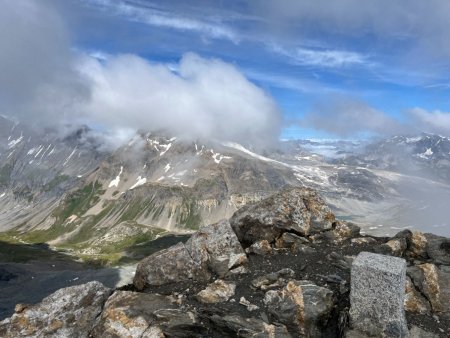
(425,155)
(71,191)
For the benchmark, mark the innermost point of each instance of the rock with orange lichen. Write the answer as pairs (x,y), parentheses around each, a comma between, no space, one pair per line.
(132,314)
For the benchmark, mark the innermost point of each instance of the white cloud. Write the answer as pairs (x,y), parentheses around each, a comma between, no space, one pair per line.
(432,121)
(151,14)
(348,117)
(321,58)
(206,98)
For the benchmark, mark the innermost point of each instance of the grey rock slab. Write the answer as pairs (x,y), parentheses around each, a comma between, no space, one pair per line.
(377,295)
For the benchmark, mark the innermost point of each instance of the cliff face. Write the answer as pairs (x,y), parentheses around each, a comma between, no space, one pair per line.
(278,268)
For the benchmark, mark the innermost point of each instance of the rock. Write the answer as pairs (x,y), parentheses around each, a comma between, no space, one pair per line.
(297,210)
(438,249)
(290,241)
(341,231)
(414,301)
(394,247)
(132,314)
(302,306)
(214,248)
(233,325)
(377,295)
(417,245)
(417,332)
(434,284)
(69,312)
(273,280)
(219,291)
(170,265)
(260,248)
(248,305)
(363,240)
(345,230)
(423,246)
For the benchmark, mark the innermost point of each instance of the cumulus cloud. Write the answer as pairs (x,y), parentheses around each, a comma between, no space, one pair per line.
(46,82)
(205,98)
(345,117)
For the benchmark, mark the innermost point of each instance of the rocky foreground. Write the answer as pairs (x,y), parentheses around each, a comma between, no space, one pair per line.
(277,268)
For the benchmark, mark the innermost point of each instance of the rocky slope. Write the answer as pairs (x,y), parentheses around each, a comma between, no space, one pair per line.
(277,268)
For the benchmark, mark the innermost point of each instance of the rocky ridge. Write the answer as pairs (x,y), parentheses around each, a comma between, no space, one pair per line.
(277,268)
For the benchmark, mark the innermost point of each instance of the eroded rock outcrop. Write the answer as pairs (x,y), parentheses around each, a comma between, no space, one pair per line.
(69,312)
(300,211)
(213,249)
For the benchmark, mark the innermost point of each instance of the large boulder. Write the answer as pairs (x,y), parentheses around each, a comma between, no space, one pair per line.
(433,282)
(302,306)
(69,312)
(213,249)
(132,314)
(297,210)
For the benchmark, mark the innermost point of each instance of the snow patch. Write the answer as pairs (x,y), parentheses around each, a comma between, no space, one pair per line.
(166,148)
(167,167)
(217,157)
(15,142)
(2,195)
(115,182)
(140,181)
(70,156)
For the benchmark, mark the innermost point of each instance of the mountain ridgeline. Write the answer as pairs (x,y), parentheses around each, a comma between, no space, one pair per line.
(76,194)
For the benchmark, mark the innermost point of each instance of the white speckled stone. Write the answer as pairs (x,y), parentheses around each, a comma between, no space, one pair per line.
(377,295)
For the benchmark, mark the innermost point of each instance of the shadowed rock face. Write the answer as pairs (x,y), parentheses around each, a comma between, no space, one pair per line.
(290,284)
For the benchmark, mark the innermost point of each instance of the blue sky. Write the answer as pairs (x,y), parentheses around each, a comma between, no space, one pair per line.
(379,67)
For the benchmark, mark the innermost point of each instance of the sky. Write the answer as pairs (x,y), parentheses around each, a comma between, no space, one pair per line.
(238,70)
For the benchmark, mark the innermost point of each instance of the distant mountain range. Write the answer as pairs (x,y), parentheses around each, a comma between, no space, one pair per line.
(74,193)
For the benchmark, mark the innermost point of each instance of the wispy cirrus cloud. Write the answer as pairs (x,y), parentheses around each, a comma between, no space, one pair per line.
(327,58)
(159,16)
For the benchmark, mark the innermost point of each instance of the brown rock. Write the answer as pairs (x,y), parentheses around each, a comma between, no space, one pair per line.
(414,301)
(219,291)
